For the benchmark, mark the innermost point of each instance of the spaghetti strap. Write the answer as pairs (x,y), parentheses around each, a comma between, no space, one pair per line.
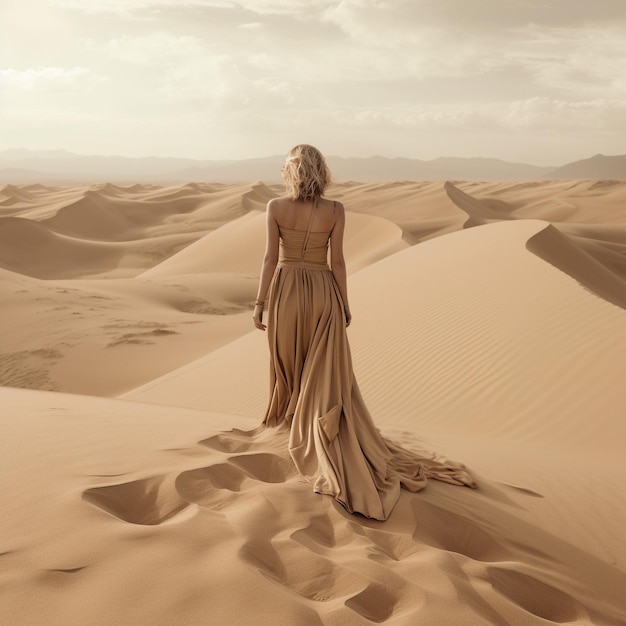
(305,243)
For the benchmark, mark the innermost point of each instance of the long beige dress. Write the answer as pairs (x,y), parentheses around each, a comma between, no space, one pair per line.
(333,441)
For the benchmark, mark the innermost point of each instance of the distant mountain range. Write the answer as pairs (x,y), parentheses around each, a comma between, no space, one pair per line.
(61,167)
(598,167)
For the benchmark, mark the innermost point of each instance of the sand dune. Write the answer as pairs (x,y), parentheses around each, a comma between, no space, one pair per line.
(162,498)
(11,195)
(220,251)
(30,248)
(589,212)
(172,520)
(421,210)
(496,340)
(478,212)
(369,239)
(92,217)
(55,254)
(606,245)
(108,214)
(524,359)
(562,252)
(72,335)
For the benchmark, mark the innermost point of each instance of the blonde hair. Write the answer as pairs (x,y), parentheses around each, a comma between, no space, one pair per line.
(305,173)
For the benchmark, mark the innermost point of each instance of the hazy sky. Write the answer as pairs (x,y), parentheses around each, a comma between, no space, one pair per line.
(538,81)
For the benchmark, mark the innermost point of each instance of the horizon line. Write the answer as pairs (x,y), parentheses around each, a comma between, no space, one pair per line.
(280,156)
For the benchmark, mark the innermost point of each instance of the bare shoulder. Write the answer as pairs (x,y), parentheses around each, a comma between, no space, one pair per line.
(278,204)
(273,203)
(275,207)
(336,208)
(339,207)
(278,200)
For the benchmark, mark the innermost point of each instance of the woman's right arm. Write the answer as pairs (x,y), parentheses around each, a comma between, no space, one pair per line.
(270,260)
(337,261)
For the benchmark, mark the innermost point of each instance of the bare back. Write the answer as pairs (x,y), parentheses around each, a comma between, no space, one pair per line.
(294,214)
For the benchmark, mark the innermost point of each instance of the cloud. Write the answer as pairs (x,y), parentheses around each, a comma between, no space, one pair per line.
(533,114)
(399,17)
(544,114)
(301,9)
(129,8)
(49,99)
(346,69)
(591,60)
(155,48)
(483,15)
(45,78)
(387,40)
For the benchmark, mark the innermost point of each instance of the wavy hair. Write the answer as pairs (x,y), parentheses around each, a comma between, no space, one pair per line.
(305,173)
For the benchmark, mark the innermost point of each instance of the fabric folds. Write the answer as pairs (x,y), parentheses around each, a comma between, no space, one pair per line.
(333,441)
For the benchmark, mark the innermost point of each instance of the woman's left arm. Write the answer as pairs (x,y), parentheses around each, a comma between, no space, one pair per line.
(270,260)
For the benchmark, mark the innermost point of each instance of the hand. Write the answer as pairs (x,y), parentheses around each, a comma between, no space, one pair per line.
(258,317)
(348,317)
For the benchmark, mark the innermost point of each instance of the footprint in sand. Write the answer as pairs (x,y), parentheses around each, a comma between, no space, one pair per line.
(216,485)
(295,568)
(389,546)
(235,441)
(213,487)
(140,338)
(537,597)
(147,501)
(375,603)
(266,467)
(445,530)
(322,533)
(290,562)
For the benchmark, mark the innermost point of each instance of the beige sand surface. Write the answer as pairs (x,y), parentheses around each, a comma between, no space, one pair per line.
(489,325)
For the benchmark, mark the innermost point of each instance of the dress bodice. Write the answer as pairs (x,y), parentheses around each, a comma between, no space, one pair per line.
(292,243)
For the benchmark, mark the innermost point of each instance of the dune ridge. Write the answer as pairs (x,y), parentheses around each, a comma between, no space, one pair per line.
(488,326)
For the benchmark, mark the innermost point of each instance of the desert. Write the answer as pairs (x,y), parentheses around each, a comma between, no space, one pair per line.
(489,326)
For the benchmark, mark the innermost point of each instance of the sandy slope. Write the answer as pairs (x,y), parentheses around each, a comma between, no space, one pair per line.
(497,340)
(499,346)
(146,514)
(73,335)
(476,370)
(102,298)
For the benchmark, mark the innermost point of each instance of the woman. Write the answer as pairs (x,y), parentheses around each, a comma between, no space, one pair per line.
(332,438)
